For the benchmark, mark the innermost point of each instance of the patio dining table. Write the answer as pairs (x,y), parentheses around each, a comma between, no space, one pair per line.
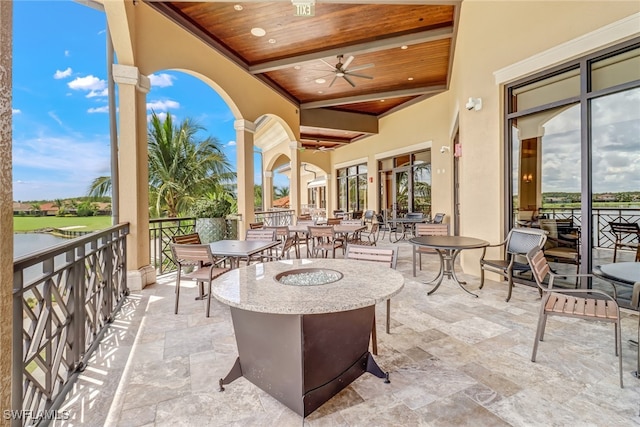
(448,248)
(401,228)
(342,229)
(238,249)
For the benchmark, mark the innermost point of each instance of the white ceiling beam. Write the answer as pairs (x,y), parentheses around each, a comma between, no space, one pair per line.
(372,97)
(356,49)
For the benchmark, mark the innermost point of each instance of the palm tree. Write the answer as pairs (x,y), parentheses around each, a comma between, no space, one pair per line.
(281,192)
(182,168)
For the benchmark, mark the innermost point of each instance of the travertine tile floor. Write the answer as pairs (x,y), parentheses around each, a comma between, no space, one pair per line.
(454,360)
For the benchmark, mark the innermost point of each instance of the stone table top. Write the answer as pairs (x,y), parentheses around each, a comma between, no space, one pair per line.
(255,288)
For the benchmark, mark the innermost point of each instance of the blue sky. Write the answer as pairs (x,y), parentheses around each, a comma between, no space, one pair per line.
(60,118)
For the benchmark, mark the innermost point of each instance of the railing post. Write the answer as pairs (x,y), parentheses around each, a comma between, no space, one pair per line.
(79,316)
(17,382)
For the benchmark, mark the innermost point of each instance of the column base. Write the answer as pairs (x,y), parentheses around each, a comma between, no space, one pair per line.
(138,279)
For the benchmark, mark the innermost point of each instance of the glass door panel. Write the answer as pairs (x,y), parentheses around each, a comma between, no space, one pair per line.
(401,187)
(615,165)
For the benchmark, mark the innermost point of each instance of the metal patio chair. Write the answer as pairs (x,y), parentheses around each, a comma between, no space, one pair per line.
(587,304)
(202,265)
(515,247)
(388,256)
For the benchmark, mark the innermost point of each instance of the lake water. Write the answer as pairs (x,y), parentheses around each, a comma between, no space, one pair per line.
(26,243)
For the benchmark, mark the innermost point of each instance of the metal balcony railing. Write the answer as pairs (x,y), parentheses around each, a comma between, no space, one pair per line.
(64,298)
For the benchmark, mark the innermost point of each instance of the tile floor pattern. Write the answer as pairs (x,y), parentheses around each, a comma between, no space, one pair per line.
(454,360)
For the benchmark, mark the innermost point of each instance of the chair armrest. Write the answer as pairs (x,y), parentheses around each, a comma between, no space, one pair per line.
(552,277)
(497,245)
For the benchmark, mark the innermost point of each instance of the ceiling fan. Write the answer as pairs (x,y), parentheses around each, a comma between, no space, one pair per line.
(341,70)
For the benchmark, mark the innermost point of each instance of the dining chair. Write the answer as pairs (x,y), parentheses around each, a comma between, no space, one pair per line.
(368,216)
(368,238)
(256,225)
(587,304)
(260,234)
(558,248)
(324,239)
(388,256)
(334,221)
(304,237)
(514,249)
(194,239)
(438,218)
(624,234)
(427,230)
(202,265)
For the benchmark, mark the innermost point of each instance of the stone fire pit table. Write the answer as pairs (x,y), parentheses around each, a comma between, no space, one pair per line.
(302,342)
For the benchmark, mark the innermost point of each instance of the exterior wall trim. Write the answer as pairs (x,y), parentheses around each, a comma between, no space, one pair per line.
(613,33)
(404,150)
(351,163)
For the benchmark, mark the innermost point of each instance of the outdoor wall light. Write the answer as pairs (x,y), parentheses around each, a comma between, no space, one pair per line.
(527,178)
(474,104)
(444,149)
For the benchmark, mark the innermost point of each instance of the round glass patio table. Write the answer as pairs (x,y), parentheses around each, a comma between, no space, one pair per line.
(300,341)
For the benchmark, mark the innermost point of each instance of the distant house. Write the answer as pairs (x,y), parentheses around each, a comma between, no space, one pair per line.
(21,208)
(282,202)
(606,197)
(49,209)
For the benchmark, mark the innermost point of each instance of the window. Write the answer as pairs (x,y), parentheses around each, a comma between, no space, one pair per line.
(352,188)
(574,151)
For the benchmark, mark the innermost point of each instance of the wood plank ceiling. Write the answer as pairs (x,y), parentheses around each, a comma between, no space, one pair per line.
(405,50)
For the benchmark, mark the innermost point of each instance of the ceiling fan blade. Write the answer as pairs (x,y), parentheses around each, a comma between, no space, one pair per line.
(333,81)
(323,76)
(346,77)
(361,67)
(362,76)
(347,62)
(327,64)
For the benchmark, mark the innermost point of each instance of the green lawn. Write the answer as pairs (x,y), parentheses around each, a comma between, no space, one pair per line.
(88,223)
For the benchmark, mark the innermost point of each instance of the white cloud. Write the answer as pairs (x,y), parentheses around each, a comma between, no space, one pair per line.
(231,144)
(88,83)
(161,80)
(104,109)
(67,53)
(62,74)
(15,111)
(100,93)
(55,117)
(162,105)
(53,166)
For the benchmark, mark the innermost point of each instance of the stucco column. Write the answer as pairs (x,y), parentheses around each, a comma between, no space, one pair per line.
(331,191)
(267,197)
(244,144)
(294,184)
(134,172)
(6,206)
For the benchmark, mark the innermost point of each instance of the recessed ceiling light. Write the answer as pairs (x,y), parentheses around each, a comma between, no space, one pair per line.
(320,91)
(296,67)
(382,100)
(410,78)
(238,7)
(403,47)
(320,81)
(272,41)
(258,32)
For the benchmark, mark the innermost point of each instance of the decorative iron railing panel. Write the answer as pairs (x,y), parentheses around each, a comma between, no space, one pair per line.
(63,299)
(276,217)
(602,235)
(162,230)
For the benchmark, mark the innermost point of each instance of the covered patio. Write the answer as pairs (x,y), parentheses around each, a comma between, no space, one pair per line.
(453,360)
